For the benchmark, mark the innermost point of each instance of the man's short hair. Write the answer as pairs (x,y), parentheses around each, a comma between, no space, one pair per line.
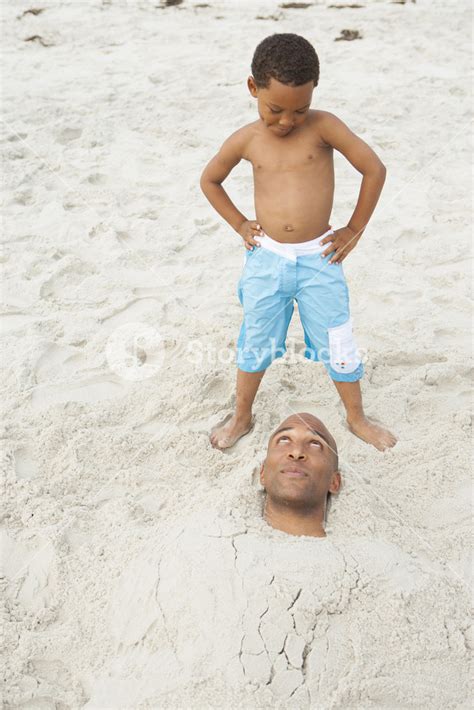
(288,58)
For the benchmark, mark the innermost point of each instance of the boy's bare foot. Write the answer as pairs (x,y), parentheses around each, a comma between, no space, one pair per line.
(230,430)
(367,430)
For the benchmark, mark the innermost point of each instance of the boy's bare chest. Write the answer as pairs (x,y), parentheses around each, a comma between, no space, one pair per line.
(288,154)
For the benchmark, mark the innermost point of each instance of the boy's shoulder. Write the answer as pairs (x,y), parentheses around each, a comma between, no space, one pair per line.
(247,132)
(321,122)
(240,139)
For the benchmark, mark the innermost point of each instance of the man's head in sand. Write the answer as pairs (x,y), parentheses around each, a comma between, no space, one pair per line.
(299,471)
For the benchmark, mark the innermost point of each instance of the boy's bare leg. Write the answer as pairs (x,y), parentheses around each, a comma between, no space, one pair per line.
(358,423)
(239,424)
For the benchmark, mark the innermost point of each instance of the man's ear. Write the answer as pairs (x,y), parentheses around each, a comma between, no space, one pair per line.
(262,474)
(252,87)
(335,483)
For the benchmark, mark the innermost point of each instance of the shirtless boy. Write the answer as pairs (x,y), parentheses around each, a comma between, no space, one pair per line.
(293,254)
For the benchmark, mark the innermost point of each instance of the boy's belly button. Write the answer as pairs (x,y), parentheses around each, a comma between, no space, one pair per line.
(288,228)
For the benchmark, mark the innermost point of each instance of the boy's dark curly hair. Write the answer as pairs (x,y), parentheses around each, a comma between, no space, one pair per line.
(288,58)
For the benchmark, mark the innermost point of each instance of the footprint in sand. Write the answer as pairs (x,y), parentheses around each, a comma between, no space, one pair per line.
(394,297)
(151,291)
(180,439)
(64,285)
(58,362)
(438,400)
(288,385)
(9,322)
(218,389)
(89,390)
(68,134)
(26,466)
(17,137)
(155,426)
(23,197)
(445,337)
(412,360)
(131,312)
(96,179)
(206,226)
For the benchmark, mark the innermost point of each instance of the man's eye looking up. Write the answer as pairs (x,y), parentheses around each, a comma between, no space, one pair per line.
(313,441)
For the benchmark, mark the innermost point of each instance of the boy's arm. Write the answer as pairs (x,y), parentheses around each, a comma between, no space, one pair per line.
(230,153)
(335,133)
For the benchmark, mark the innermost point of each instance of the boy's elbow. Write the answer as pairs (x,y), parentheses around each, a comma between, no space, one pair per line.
(203,183)
(374,168)
(378,170)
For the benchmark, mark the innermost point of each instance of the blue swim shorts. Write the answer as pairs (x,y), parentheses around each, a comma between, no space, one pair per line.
(274,276)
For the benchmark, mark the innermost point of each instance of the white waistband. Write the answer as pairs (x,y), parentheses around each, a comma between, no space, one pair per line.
(291,251)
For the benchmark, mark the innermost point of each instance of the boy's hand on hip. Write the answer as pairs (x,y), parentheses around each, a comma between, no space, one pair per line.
(341,242)
(248,230)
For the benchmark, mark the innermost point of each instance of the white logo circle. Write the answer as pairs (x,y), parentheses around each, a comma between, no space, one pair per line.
(135,351)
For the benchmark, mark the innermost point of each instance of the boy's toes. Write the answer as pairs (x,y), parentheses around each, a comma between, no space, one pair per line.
(388,440)
(372,433)
(223,443)
(381,438)
(225,434)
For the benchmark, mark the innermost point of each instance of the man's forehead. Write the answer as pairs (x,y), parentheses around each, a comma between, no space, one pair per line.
(309,423)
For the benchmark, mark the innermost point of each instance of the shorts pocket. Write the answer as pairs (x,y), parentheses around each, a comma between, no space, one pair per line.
(248,256)
(343,356)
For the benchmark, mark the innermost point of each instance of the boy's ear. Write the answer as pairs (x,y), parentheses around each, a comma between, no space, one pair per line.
(252,87)
(262,474)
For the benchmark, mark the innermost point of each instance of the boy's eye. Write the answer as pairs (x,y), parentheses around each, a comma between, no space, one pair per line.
(279,110)
(281,438)
(316,441)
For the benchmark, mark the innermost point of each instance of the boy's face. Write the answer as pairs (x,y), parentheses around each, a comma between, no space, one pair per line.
(282,108)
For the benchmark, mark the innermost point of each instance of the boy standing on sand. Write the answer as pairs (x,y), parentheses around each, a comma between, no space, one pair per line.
(292,251)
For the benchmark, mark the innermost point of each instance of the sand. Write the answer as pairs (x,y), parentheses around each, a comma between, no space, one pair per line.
(137,569)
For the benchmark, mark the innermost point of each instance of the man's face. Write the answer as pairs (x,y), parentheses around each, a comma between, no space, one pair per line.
(282,108)
(301,464)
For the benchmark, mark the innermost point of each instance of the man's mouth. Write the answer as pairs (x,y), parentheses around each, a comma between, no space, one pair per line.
(294,472)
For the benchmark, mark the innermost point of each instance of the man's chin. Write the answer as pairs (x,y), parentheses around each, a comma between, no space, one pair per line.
(293,499)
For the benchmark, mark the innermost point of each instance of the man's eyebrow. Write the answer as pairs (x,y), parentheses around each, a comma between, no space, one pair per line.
(279,107)
(313,431)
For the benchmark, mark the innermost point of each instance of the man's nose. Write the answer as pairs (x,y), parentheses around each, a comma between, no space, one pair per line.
(297,452)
